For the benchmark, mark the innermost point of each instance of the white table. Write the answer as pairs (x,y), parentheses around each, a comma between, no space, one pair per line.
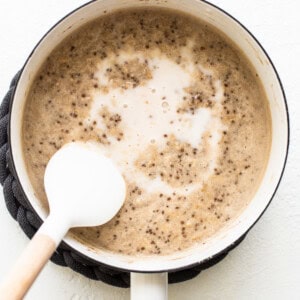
(267,264)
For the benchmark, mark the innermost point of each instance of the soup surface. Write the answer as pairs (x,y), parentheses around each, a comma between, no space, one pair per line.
(175,105)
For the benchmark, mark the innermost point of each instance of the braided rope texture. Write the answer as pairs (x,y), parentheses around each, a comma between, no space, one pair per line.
(17,205)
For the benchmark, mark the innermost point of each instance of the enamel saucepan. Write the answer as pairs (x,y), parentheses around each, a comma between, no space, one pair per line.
(152,272)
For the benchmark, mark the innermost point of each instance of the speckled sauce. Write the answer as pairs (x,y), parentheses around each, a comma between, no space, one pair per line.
(177,107)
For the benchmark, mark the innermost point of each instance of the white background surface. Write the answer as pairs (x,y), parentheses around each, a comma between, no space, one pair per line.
(267,264)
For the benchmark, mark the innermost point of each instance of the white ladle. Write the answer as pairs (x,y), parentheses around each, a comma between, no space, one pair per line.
(84,188)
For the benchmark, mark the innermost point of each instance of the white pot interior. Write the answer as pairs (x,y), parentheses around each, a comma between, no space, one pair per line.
(272,87)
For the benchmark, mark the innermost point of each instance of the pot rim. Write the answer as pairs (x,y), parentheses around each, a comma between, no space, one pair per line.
(188,266)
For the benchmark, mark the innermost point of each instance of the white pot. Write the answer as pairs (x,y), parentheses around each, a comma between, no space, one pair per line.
(280,133)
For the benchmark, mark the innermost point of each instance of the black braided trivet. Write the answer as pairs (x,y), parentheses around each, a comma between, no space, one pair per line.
(18,207)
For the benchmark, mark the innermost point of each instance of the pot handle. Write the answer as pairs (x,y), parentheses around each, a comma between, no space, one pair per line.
(149,286)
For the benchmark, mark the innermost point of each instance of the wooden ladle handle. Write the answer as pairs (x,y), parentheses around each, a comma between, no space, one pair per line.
(27,267)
